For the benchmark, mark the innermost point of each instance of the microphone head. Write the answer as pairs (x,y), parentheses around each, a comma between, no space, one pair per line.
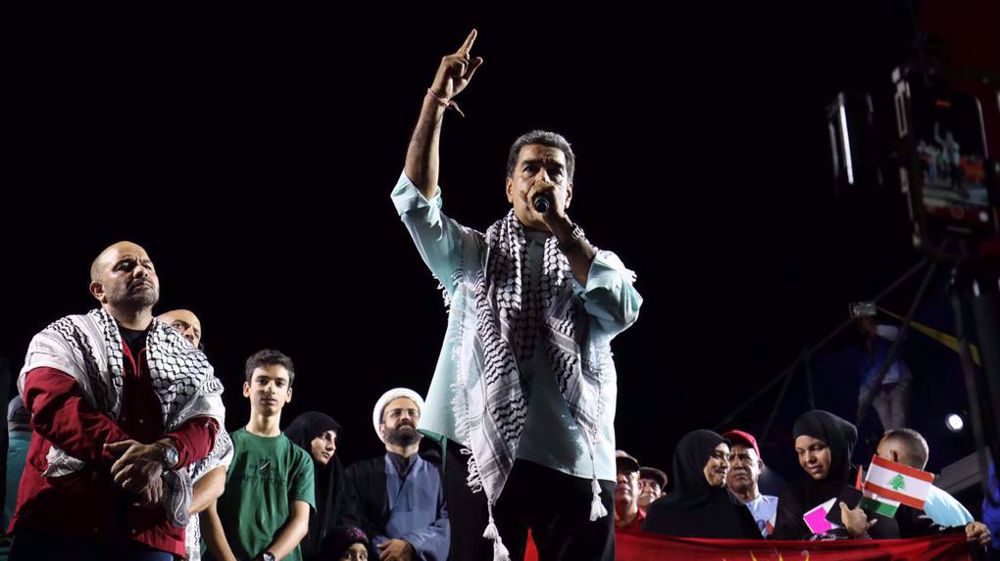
(541,204)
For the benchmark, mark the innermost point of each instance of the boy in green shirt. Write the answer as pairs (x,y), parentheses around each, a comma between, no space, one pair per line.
(264,511)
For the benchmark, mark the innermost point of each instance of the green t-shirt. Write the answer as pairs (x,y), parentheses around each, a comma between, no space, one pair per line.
(267,475)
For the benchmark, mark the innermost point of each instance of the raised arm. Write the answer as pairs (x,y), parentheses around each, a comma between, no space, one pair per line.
(422,157)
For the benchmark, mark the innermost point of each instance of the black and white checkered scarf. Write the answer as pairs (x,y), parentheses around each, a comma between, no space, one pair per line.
(512,320)
(89,348)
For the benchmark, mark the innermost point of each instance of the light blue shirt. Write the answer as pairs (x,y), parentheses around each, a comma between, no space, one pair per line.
(417,511)
(944,509)
(551,437)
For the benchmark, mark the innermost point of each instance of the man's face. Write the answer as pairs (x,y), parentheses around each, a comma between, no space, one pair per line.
(627,487)
(537,164)
(126,278)
(717,466)
(323,447)
(745,469)
(269,389)
(649,491)
(814,456)
(399,422)
(185,323)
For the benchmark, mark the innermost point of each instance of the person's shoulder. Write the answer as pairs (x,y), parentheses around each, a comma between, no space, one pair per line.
(432,464)
(298,454)
(65,325)
(72,317)
(936,492)
(240,440)
(376,464)
(657,506)
(938,495)
(791,492)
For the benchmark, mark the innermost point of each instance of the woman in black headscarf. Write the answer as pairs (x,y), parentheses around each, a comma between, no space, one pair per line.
(317,434)
(700,506)
(824,443)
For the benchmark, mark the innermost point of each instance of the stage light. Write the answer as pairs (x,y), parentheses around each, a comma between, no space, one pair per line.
(955,422)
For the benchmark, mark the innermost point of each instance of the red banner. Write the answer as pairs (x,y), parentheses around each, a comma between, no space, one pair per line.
(632,547)
(951,547)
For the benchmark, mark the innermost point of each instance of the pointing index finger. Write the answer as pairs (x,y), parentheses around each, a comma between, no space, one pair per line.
(467,45)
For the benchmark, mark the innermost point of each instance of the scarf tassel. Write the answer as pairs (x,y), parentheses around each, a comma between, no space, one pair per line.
(500,552)
(597,509)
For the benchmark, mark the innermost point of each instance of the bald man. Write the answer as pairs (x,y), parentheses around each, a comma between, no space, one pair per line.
(908,447)
(120,403)
(186,323)
(209,473)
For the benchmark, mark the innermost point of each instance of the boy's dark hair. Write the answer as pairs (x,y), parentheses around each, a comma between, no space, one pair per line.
(270,357)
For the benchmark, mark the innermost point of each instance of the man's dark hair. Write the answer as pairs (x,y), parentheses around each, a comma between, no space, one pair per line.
(270,357)
(545,138)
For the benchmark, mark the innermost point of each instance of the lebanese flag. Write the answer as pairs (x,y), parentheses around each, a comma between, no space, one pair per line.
(898,482)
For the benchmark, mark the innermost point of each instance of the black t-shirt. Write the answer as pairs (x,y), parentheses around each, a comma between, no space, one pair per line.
(135,339)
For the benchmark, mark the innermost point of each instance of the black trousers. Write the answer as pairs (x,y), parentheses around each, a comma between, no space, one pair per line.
(553,505)
(32,545)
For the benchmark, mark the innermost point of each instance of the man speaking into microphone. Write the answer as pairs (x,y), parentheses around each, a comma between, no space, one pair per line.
(525,383)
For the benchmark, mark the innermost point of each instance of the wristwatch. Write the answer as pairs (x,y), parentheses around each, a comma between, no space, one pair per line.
(267,556)
(169,456)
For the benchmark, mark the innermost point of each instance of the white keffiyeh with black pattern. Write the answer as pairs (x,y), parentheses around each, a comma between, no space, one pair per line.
(89,348)
(512,319)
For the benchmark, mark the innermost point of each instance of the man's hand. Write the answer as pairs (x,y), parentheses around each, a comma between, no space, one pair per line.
(396,550)
(556,215)
(137,468)
(977,532)
(151,496)
(856,521)
(456,70)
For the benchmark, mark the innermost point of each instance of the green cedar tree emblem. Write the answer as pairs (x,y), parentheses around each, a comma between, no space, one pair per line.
(897,483)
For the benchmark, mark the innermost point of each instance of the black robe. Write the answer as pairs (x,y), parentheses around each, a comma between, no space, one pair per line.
(367,501)
(329,481)
(695,509)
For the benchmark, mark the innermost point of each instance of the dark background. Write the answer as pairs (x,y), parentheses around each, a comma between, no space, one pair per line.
(252,155)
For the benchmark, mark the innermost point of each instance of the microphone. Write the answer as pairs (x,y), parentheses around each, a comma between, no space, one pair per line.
(541,203)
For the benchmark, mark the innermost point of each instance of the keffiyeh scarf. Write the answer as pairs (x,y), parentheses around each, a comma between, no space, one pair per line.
(512,320)
(89,348)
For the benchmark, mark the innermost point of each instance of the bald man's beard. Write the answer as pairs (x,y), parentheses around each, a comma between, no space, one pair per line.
(399,436)
(128,299)
(141,300)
